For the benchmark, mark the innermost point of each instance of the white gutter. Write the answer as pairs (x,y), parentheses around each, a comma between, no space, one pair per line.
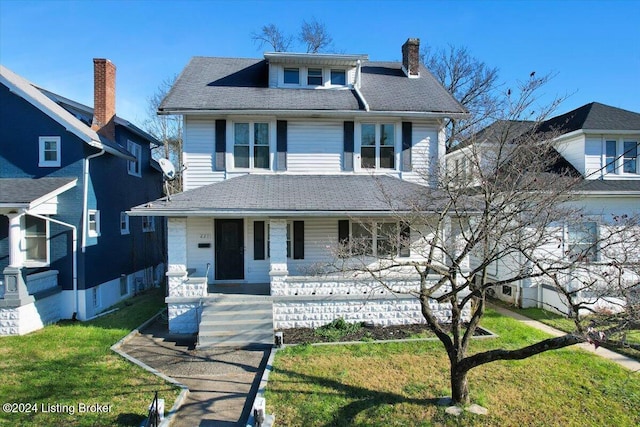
(356,86)
(316,113)
(74,257)
(85,196)
(178,213)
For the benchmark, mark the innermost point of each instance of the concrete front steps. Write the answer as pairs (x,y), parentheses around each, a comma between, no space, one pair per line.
(237,321)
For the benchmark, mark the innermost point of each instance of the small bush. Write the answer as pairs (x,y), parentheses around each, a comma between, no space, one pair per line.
(338,329)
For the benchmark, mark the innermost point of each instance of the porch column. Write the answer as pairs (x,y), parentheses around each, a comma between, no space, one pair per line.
(15,294)
(177,256)
(15,234)
(278,247)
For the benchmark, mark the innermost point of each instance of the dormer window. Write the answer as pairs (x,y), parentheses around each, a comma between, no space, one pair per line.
(338,77)
(292,76)
(314,77)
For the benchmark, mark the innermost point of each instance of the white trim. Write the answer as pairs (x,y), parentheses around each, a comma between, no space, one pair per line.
(124,230)
(33,263)
(270,144)
(134,167)
(30,92)
(397,145)
(42,162)
(95,221)
(148,224)
(52,194)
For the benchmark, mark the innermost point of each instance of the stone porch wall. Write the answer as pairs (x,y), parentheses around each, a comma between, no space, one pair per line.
(184,300)
(315,301)
(30,317)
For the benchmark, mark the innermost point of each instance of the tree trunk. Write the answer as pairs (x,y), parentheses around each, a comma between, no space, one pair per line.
(459,386)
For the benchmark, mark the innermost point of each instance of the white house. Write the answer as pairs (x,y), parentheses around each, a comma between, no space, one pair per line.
(598,144)
(285,157)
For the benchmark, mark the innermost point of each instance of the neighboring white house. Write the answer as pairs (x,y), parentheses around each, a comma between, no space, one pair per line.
(285,156)
(599,144)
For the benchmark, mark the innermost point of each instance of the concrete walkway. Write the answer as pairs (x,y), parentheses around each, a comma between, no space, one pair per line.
(624,361)
(222,382)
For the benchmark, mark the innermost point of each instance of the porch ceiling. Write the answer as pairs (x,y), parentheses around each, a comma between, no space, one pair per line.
(297,195)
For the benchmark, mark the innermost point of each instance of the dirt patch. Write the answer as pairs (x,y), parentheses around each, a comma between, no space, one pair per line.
(363,333)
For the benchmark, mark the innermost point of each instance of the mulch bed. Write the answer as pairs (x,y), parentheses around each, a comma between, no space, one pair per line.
(365,333)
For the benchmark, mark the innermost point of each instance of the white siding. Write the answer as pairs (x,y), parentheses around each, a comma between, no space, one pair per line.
(573,150)
(198,152)
(425,156)
(256,271)
(320,237)
(200,230)
(314,147)
(593,158)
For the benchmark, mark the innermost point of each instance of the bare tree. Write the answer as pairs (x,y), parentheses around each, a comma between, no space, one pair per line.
(508,207)
(271,35)
(167,129)
(472,82)
(314,36)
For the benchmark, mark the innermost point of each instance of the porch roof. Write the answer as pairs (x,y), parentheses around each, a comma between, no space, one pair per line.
(28,193)
(297,195)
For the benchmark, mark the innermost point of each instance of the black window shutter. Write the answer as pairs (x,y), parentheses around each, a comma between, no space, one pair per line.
(221,144)
(281,145)
(258,239)
(407,131)
(348,146)
(343,231)
(405,240)
(298,239)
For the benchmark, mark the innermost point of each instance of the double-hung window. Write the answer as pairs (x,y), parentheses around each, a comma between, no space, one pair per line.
(134,166)
(630,157)
(124,223)
(582,241)
(381,238)
(49,151)
(93,220)
(251,145)
(377,146)
(148,224)
(36,231)
(314,77)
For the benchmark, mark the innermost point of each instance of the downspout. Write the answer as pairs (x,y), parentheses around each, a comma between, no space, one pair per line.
(356,86)
(85,196)
(74,257)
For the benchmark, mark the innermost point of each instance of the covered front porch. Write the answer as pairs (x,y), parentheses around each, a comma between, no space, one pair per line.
(277,237)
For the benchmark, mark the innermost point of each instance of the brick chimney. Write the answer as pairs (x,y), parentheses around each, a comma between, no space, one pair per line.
(104,98)
(411,58)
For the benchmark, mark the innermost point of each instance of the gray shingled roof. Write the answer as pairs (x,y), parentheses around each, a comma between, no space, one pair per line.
(610,185)
(290,193)
(386,88)
(23,191)
(209,83)
(593,116)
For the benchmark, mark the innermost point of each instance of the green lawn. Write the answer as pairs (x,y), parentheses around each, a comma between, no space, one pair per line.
(397,384)
(567,325)
(69,366)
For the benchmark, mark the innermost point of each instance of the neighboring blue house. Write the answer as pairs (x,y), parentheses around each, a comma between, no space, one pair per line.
(68,174)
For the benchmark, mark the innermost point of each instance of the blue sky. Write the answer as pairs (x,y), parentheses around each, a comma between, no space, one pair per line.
(593,47)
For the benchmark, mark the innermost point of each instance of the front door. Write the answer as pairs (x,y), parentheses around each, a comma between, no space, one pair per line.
(229,255)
